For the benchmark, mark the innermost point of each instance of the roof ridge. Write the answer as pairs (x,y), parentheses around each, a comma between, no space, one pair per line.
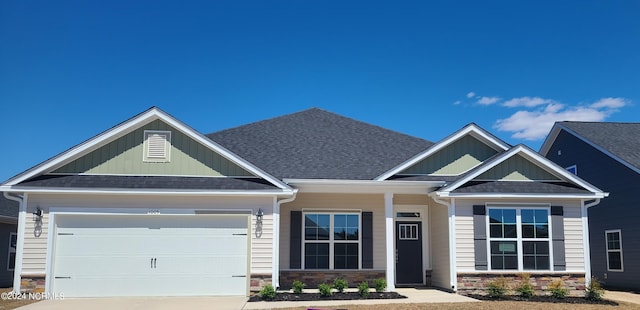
(590,122)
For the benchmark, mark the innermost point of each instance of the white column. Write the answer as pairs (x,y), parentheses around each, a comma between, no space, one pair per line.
(452,245)
(585,244)
(389,233)
(22,222)
(275,273)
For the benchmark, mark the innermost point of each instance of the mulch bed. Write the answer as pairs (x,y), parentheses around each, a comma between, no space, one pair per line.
(567,300)
(334,296)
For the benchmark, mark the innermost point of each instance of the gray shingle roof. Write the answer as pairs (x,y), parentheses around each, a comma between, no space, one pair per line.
(316,144)
(8,207)
(621,139)
(147,182)
(515,187)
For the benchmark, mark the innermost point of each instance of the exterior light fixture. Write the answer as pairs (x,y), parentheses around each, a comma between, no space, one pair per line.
(259,216)
(38,214)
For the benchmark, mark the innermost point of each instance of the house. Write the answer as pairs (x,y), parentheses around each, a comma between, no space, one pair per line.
(152,207)
(607,155)
(8,240)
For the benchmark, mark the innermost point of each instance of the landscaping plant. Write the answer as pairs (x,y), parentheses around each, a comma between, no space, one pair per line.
(363,289)
(558,290)
(268,292)
(525,289)
(380,284)
(594,290)
(325,289)
(497,288)
(340,284)
(298,286)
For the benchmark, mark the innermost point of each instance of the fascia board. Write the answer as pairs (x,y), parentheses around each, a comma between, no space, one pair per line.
(152,192)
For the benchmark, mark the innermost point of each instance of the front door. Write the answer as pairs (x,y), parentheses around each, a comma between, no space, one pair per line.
(409,253)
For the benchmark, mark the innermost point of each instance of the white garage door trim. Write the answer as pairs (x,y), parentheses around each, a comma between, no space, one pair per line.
(216,218)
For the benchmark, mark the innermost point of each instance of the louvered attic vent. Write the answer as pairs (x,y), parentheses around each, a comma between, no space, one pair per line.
(157,146)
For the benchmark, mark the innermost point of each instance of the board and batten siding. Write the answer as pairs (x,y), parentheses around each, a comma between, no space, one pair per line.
(125,156)
(574,248)
(35,247)
(336,202)
(440,275)
(516,168)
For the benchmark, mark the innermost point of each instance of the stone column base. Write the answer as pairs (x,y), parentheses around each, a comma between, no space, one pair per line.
(314,277)
(477,283)
(32,283)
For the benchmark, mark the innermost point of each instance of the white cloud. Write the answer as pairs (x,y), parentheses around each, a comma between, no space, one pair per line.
(457,102)
(471,94)
(526,102)
(610,103)
(534,125)
(488,100)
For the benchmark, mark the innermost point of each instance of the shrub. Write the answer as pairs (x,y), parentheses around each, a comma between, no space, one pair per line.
(268,292)
(298,286)
(340,284)
(380,284)
(558,290)
(497,288)
(525,289)
(325,289)
(363,289)
(594,290)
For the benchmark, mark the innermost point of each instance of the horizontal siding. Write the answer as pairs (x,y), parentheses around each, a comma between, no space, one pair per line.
(440,245)
(364,202)
(35,246)
(465,255)
(573,239)
(405,199)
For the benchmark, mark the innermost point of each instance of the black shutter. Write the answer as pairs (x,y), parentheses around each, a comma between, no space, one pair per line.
(557,238)
(480,237)
(367,240)
(295,247)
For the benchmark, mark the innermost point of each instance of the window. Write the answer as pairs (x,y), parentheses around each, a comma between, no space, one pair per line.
(573,169)
(408,231)
(157,146)
(331,240)
(13,241)
(519,239)
(614,250)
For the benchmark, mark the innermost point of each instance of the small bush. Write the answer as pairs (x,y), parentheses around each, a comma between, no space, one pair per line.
(497,288)
(298,286)
(380,284)
(340,284)
(325,289)
(268,292)
(525,289)
(558,290)
(594,290)
(363,289)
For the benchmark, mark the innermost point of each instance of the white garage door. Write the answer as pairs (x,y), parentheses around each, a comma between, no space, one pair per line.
(150,255)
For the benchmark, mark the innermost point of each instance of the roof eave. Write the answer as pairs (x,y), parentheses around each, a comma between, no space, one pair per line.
(151,191)
(363,186)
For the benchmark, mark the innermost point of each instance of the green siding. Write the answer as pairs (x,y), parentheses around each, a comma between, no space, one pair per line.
(125,156)
(517,168)
(458,157)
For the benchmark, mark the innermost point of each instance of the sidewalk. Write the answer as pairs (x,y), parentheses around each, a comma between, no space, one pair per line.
(622,296)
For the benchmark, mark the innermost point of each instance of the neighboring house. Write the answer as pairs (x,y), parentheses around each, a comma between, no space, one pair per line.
(607,155)
(8,240)
(151,207)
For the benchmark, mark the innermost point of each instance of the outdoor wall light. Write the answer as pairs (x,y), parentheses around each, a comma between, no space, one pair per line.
(38,214)
(259,216)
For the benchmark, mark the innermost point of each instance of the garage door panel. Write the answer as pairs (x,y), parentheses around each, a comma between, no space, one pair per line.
(105,255)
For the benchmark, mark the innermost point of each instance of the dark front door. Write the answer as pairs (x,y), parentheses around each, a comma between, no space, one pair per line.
(409,253)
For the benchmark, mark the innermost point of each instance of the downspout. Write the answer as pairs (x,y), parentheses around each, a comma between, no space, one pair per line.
(585,239)
(275,272)
(22,219)
(452,239)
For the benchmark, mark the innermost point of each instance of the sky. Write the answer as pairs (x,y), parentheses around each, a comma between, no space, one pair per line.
(72,69)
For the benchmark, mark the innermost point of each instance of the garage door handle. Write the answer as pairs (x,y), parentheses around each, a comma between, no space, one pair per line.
(63,277)
(242,276)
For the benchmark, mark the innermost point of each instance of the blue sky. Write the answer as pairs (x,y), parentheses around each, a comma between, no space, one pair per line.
(71,69)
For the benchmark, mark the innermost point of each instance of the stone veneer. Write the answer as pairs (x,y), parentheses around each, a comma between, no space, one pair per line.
(258,281)
(32,284)
(476,283)
(314,277)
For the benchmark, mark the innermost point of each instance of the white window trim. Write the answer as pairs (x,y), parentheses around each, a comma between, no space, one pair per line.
(145,151)
(411,227)
(11,250)
(518,238)
(606,242)
(331,241)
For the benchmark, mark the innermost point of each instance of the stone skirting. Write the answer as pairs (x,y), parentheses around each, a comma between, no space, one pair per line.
(258,281)
(314,277)
(32,283)
(476,283)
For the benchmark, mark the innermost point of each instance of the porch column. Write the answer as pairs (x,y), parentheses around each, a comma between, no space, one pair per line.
(389,233)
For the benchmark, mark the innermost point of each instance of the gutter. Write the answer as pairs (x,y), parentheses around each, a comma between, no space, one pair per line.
(275,272)
(451,208)
(22,220)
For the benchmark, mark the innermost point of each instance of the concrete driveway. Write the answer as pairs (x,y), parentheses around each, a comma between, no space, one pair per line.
(140,303)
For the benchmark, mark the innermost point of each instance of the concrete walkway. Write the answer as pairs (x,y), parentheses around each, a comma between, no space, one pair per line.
(233,303)
(622,296)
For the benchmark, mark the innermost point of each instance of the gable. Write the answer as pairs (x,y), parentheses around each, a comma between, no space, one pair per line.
(517,168)
(126,156)
(456,158)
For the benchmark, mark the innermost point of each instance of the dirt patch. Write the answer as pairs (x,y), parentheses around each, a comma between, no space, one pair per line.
(334,296)
(547,299)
